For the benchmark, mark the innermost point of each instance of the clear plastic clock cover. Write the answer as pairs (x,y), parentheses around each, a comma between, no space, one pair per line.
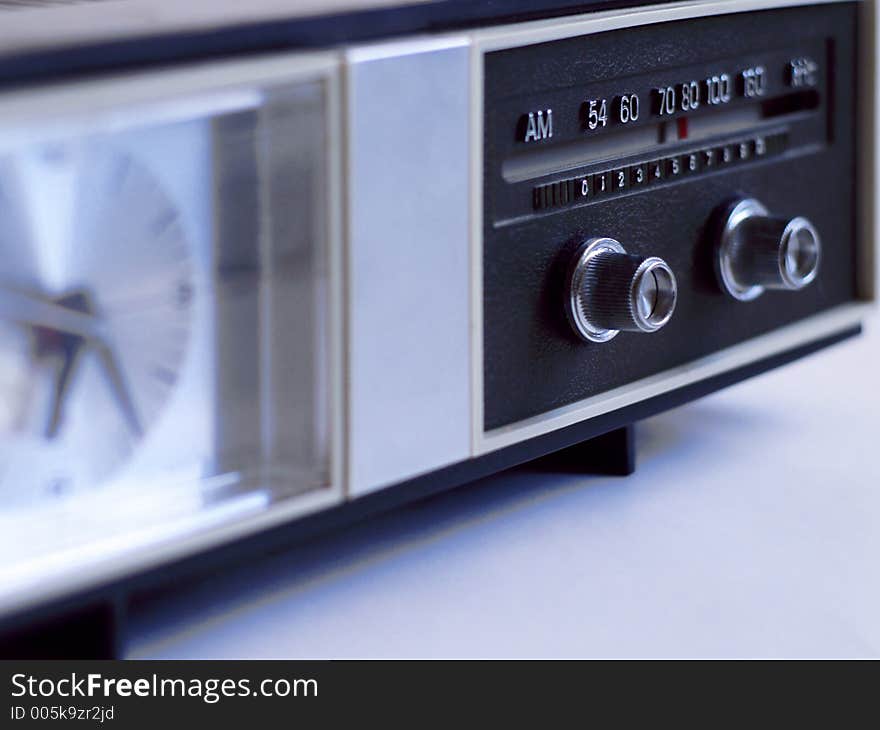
(165,356)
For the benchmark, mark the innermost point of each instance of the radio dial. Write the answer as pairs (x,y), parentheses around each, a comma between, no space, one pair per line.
(610,290)
(757,251)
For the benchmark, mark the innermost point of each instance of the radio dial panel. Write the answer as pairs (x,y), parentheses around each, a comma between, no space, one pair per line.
(645,135)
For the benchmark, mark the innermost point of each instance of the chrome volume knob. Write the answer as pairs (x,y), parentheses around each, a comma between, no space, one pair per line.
(756,251)
(610,290)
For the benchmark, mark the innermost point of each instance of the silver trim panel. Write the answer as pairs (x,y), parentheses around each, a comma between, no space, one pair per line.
(408,267)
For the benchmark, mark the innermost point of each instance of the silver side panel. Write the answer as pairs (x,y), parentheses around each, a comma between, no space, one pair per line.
(409,400)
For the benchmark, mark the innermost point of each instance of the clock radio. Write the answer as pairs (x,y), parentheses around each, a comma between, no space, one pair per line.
(269,269)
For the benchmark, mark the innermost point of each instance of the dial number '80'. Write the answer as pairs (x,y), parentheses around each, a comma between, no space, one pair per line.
(690,95)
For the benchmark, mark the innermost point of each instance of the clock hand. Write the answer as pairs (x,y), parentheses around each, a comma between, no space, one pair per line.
(119,387)
(59,391)
(80,328)
(34,311)
(112,373)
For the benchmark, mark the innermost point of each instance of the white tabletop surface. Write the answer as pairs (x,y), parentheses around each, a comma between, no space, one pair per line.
(750,529)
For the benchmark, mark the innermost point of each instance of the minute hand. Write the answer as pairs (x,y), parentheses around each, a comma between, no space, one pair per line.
(34,311)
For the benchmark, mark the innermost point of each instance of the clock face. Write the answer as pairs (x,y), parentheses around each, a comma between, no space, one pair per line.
(168,337)
(96,293)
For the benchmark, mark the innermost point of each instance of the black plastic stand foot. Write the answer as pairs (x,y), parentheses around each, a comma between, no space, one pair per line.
(612,454)
(89,632)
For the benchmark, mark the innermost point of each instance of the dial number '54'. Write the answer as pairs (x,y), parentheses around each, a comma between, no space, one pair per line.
(597,113)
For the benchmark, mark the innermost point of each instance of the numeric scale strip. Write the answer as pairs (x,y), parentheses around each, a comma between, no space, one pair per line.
(633,177)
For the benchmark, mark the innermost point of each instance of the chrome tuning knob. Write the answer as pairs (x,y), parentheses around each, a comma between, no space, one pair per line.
(757,251)
(609,290)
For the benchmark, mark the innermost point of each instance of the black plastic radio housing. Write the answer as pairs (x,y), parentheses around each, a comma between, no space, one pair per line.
(535,212)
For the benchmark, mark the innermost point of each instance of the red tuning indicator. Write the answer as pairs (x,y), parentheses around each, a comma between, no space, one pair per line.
(682,123)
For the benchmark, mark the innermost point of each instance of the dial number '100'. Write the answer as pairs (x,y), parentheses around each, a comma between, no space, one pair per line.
(719,89)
